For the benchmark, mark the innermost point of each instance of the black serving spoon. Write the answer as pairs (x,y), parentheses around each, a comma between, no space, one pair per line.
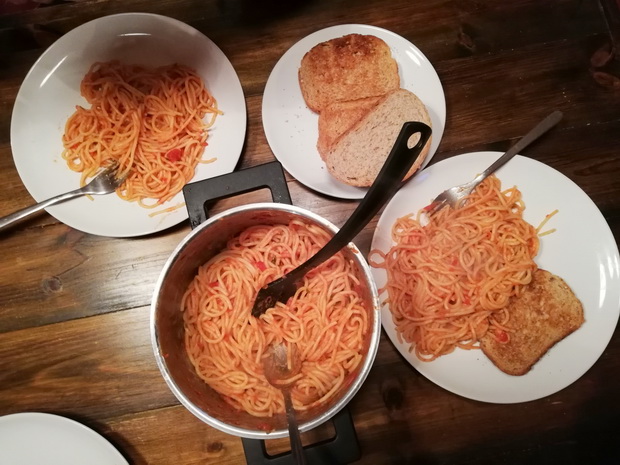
(387,182)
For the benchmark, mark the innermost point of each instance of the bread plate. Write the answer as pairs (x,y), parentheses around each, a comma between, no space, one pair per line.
(291,127)
(51,90)
(590,267)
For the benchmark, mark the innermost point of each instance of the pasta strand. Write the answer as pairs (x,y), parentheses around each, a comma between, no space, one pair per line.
(449,281)
(326,320)
(149,120)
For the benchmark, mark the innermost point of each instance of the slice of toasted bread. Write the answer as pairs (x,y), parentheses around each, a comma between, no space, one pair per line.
(544,314)
(359,154)
(338,117)
(347,68)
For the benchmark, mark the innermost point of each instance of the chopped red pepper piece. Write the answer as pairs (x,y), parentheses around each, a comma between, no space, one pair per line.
(260,265)
(174,154)
(214,284)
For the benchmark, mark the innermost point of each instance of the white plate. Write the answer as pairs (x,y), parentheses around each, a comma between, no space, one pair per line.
(41,438)
(51,90)
(292,128)
(582,251)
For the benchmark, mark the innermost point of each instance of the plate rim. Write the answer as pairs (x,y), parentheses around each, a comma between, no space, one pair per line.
(354,193)
(19,111)
(403,348)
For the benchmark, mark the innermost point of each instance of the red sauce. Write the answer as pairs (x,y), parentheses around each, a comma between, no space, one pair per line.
(501,336)
(174,154)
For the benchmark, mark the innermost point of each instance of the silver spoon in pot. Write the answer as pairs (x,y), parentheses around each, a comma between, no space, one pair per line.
(280,368)
(385,185)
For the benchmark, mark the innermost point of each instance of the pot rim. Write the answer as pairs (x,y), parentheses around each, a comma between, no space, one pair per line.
(351,390)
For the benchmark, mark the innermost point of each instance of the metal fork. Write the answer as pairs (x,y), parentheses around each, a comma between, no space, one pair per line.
(455,195)
(105,182)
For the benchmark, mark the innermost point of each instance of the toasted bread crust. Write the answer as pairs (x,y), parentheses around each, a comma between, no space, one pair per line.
(359,154)
(347,68)
(337,118)
(543,315)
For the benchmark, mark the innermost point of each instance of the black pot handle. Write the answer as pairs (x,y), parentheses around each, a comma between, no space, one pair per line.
(269,175)
(342,449)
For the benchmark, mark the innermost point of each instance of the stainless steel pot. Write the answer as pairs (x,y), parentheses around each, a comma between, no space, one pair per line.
(198,247)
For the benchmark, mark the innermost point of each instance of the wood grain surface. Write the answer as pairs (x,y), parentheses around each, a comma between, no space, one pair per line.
(74,308)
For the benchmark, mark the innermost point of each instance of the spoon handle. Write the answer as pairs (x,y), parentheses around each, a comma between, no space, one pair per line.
(297,449)
(385,185)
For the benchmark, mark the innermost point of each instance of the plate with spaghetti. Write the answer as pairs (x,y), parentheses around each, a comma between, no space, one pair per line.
(590,268)
(145,91)
(291,127)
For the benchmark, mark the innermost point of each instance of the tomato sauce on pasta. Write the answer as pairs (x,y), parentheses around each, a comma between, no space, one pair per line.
(325,322)
(149,120)
(449,281)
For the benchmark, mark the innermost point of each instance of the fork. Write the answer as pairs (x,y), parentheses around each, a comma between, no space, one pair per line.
(105,182)
(455,195)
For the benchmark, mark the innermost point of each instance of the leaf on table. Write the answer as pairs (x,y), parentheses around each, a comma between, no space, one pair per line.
(465,41)
(606,80)
(602,56)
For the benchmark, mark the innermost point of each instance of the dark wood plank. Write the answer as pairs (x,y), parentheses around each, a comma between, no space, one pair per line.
(96,365)
(487,100)
(14,195)
(76,274)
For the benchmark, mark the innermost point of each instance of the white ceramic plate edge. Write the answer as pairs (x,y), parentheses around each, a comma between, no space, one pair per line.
(36,438)
(591,271)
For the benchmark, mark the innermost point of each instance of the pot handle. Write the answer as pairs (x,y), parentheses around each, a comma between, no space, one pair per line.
(200,193)
(343,448)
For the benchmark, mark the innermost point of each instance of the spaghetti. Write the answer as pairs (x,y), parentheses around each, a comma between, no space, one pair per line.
(148,120)
(324,322)
(449,281)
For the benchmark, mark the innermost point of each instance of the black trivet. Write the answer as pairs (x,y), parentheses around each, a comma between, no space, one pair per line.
(342,449)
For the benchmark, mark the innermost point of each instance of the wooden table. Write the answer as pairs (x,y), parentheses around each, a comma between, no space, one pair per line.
(74,328)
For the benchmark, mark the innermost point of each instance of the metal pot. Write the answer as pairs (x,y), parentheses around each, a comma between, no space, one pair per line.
(167,333)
